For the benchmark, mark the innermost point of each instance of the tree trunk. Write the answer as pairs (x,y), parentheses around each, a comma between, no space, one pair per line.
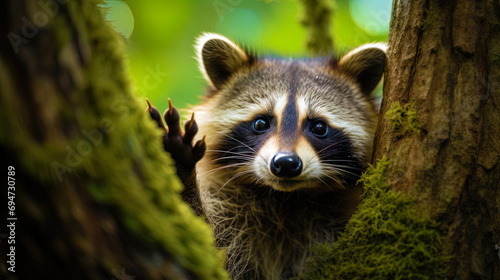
(92,194)
(316,19)
(431,206)
(442,139)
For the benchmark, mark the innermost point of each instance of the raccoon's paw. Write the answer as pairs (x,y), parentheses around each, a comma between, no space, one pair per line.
(179,145)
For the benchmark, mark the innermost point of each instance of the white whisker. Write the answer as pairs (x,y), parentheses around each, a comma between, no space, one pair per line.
(242,157)
(214,170)
(339,169)
(235,177)
(244,145)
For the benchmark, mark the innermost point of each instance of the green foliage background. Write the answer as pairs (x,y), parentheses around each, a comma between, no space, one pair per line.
(164,33)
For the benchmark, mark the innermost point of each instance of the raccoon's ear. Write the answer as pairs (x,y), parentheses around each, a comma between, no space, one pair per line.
(365,64)
(219,58)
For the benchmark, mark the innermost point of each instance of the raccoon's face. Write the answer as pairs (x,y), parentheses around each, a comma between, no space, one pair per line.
(288,124)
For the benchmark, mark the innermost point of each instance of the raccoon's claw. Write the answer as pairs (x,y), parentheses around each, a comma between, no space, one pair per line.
(199,148)
(191,128)
(179,145)
(172,118)
(155,115)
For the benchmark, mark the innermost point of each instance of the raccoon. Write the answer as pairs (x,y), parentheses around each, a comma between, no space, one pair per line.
(286,142)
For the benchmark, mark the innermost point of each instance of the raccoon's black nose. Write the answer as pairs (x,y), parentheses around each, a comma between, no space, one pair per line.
(286,165)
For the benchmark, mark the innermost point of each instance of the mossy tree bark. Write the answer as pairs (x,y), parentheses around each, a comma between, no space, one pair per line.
(442,139)
(95,196)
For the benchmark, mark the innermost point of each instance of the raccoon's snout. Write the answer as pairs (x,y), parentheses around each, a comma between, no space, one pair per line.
(286,165)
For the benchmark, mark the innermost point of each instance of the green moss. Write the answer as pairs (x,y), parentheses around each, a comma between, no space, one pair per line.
(403,118)
(148,199)
(395,116)
(387,238)
(494,51)
(124,170)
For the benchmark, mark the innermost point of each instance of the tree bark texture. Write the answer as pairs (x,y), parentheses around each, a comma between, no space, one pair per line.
(444,71)
(95,196)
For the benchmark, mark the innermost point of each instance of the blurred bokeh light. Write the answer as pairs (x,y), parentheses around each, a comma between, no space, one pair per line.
(160,34)
(372,16)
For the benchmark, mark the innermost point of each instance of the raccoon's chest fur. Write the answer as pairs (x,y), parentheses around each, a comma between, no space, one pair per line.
(266,234)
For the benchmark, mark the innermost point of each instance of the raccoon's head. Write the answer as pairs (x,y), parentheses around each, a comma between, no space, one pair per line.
(284,123)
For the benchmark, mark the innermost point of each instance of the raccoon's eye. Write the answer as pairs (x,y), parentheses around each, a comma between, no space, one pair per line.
(261,124)
(319,128)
